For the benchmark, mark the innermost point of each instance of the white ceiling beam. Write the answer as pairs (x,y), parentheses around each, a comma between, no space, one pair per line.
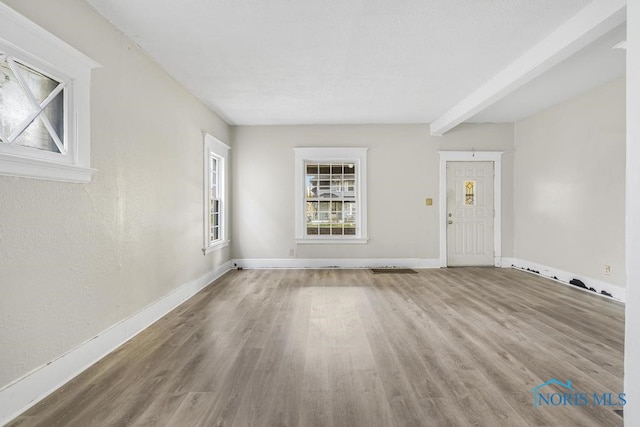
(590,23)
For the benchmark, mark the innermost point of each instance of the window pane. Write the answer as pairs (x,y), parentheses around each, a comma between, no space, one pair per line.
(324,192)
(312,212)
(39,84)
(311,180)
(55,113)
(214,188)
(336,188)
(37,136)
(349,209)
(469,192)
(15,106)
(214,220)
(330,199)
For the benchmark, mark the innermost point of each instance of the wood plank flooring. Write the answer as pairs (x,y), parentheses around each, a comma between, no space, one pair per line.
(444,347)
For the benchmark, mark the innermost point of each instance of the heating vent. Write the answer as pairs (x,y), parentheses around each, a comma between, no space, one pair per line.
(393,271)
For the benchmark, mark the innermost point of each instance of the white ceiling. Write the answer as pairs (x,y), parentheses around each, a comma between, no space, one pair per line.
(355,61)
(594,65)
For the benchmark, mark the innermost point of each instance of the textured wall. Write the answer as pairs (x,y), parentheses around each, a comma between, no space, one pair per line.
(403,167)
(75,259)
(570,185)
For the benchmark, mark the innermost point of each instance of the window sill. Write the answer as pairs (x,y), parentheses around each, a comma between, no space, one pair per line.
(218,245)
(329,241)
(42,169)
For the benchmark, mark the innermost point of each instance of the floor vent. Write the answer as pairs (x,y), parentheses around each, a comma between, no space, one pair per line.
(393,271)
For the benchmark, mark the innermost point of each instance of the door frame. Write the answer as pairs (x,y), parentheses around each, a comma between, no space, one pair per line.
(472,156)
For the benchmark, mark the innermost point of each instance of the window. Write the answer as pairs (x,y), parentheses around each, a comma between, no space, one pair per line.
(215,190)
(44,103)
(330,199)
(214,199)
(31,107)
(469,192)
(331,195)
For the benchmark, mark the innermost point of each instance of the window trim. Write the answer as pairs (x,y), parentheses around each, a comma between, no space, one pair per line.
(356,155)
(36,47)
(220,150)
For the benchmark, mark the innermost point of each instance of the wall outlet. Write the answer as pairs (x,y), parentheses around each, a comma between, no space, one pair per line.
(607,269)
(292,252)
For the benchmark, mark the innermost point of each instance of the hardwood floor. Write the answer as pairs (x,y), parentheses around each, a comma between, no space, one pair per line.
(443,347)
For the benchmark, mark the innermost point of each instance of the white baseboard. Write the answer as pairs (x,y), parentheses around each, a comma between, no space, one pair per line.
(562,276)
(337,263)
(20,395)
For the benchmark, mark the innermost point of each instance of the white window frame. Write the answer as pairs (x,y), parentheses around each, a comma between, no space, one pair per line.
(42,51)
(218,149)
(356,155)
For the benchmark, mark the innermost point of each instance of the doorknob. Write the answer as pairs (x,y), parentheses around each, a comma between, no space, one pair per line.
(449,222)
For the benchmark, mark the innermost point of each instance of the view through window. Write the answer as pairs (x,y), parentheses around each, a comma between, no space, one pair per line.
(331,199)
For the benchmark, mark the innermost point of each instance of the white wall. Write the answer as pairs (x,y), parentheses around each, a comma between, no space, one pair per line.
(570,185)
(632,308)
(75,259)
(403,170)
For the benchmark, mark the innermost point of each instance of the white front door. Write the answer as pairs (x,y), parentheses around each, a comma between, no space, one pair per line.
(469,213)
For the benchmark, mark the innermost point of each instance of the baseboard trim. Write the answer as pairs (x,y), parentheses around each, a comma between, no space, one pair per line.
(23,393)
(562,276)
(337,263)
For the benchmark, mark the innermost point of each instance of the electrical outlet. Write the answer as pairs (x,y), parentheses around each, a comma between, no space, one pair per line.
(292,252)
(607,269)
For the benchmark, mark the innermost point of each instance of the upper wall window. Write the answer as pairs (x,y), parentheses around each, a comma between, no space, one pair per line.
(32,107)
(44,103)
(216,219)
(331,203)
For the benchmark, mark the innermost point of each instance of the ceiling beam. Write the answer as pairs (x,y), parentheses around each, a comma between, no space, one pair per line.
(593,21)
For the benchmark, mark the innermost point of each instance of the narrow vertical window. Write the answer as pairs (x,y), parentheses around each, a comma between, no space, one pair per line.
(214,200)
(469,192)
(215,194)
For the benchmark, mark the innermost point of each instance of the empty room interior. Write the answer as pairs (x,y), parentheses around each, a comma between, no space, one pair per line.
(413,212)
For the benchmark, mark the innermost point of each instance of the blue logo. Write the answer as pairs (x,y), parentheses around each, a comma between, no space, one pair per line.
(570,397)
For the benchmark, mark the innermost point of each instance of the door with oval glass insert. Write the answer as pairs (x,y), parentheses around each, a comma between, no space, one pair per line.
(470,214)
